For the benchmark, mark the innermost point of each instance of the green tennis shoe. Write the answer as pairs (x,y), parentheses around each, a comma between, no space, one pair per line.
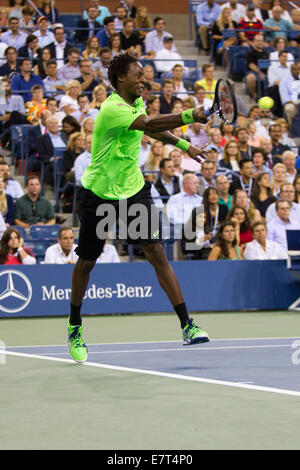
(192,334)
(77,347)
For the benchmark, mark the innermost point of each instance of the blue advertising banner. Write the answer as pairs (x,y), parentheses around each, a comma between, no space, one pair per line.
(44,290)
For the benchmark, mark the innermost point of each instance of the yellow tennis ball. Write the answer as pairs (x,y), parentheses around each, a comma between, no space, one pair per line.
(266,102)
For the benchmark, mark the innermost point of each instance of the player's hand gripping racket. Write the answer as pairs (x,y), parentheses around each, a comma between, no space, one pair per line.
(224,103)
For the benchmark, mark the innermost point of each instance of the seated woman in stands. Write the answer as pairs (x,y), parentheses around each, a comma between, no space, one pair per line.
(241,199)
(238,216)
(149,77)
(297,189)
(224,21)
(227,131)
(195,242)
(215,213)
(226,246)
(47,8)
(92,50)
(231,156)
(99,96)
(7,207)
(278,177)
(12,250)
(261,195)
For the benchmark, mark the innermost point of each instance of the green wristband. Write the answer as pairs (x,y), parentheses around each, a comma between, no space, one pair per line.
(187,116)
(183,145)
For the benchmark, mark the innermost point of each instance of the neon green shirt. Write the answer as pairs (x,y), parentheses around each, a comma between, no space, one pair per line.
(114,172)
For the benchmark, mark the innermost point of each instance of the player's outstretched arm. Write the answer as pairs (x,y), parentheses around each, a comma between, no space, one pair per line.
(165,122)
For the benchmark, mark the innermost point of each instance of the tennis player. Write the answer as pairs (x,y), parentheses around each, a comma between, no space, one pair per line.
(113,180)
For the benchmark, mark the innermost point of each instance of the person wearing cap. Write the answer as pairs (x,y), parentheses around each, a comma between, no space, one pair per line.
(154,39)
(44,36)
(249,22)
(167,58)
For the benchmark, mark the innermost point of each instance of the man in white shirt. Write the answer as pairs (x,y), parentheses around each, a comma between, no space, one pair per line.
(180,206)
(168,56)
(44,36)
(3,47)
(279,70)
(200,97)
(13,187)
(287,193)
(238,11)
(63,252)
(83,160)
(289,161)
(278,226)
(121,15)
(84,109)
(145,150)
(289,90)
(154,39)
(261,248)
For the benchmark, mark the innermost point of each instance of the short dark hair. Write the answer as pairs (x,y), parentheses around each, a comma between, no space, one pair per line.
(50,99)
(51,62)
(119,66)
(25,59)
(243,162)
(32,177)
(13,18)
(157,19)
(259,150)
(72,50)
(239,129)
(108,19)
(7,49)
(280,201)
(30,38)
(83,95)
(148,86)
(62,229)
(256,224)
(284,51)
(103,50)
(163,161)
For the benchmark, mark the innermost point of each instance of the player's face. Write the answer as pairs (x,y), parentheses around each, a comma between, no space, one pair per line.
(135,80)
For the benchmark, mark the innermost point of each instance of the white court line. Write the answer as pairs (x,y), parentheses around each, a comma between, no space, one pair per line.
(184,348)
(156,342)
(160,374)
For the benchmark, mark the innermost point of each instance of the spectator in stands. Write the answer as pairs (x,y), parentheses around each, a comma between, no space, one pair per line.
(7,206)
(88,79)
(215,138)
(289,90)
(70,71)
(41,65)
(238,216)
(87,127)
(246,179)
(46,145)
(278,26)
(231,156)
(23,82)
(145,150)
(294,36)
(238,10)
(54,87)
(16,8)
(206,15)
(200,98)
(278,177)
(259,162)
(208,81)
(149,77)
(69,104)
(146,93)
(12,250)
(59,49)
(115,45)
(242,141)
(32,162)
(142,21)
(44,36)
(287,193)
(195,242)
(254,74)
(180,206)
(267,146)
(155,156)
(63,252)
(226,246)
(35,107)
(285,14)
(47,8)
(277,147)
(280,44)
(120,17)
(101,66)
(289,161)
(176,157)
(89,27)
(9,68)
(262,196)
(11,106)
(26,22)
(261,248)
(14,37)
(241,199)
(222,186)
(3,19)
(74,148)
(254,137)
(167,98)
(99,96)
(92,50)
(69,126)
(84,110)
(196,134)
(105,34)
(215,213)
(154,39)
(130,40)
(32,208)
(130,8)
(82,161)
(153,105)
(31,50)
(281,223)
(167,183)
(103,12)
(260,12)
(249,21)
(223,22)
(166,58)
(278,72)
(13,187)
(296,185)
(227,131)
(207,178)
(284,136)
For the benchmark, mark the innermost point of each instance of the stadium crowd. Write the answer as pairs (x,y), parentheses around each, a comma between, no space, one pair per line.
(239,202)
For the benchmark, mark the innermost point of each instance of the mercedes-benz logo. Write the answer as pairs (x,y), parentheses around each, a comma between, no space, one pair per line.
(11,292)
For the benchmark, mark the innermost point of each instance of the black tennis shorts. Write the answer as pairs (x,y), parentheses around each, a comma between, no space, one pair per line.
(135,220)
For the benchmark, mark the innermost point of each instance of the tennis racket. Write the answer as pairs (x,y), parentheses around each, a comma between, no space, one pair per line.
(224,103)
